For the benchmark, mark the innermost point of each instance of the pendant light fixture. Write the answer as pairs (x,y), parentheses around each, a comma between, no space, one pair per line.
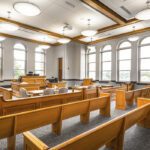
(44,46)
(27,8)
(133,38)
(89,32)
(145,13)
(64,40)
(2,38)
(8,26)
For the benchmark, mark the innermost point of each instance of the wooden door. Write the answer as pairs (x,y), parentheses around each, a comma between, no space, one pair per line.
(60,68)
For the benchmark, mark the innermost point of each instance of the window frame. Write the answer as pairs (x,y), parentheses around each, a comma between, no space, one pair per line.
(25,61)
(118,60)
(102,51)
(1,59)
(139,59)
(88,63)
(44,53)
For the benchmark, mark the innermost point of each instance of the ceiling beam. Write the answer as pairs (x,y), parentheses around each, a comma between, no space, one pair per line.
(100,7)
(36,29)
(109,28)
(121,35)
(25,39)
(39,30)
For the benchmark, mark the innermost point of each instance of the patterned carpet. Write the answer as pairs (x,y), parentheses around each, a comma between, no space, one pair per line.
(136,138)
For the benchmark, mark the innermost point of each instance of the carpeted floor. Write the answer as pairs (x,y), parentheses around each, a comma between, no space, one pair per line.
(136,138)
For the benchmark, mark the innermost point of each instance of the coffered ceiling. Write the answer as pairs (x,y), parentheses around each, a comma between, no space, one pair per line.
(109,17)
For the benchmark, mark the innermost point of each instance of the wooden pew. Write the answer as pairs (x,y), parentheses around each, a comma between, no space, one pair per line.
(111,90)
(110,134)
(6,93)
(124,98)
(57,84)
(31,103)
(12,125)
(87,82)
(140,102)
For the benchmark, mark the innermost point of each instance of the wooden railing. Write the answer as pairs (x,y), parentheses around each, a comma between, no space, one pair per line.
(110,134)
(12,125)
(125,98)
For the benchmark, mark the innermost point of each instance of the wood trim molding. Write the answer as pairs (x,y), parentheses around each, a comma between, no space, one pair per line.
(25,39)
(100,7)
(33,28)
(121,35)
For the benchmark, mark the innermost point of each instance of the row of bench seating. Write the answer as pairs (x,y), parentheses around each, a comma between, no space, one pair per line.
(125,98)
(11,125)
(31,103)
(110,134)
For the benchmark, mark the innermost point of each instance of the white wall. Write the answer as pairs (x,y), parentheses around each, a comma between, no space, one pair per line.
(8,58)
(71,54)
(114,43)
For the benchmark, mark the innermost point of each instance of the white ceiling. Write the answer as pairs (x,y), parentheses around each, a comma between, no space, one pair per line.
(133,6)
(57,12)
(129,28)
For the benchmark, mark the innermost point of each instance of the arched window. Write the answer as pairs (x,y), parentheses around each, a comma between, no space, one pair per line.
(1,49)
(40,61)
(124,61)
(19,60)
(91,58)
(144,60)
(106,57)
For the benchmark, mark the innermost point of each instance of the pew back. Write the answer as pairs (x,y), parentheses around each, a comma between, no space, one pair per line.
(31,103)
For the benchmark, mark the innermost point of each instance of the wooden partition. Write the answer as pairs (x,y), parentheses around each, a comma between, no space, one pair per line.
(110,134)
(41,80)
(31,103)
(124,98)
(6,93)
(12,125)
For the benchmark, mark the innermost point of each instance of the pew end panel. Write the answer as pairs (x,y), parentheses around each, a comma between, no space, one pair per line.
(120,99)
(141,102)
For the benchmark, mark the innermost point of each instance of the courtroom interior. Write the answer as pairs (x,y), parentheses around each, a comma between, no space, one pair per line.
(74,74)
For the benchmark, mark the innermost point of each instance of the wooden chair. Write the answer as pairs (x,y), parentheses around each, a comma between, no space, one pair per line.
(87,82)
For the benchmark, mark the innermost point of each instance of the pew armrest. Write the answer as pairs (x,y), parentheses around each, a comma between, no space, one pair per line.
(31,142)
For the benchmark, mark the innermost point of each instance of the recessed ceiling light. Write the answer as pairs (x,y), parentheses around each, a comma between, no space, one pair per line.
(44,46)
(8,26)
(64,40)
(144,14)
(2,38)
(27,9)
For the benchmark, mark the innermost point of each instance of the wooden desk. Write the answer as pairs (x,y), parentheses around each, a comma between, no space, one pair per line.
(57,84)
